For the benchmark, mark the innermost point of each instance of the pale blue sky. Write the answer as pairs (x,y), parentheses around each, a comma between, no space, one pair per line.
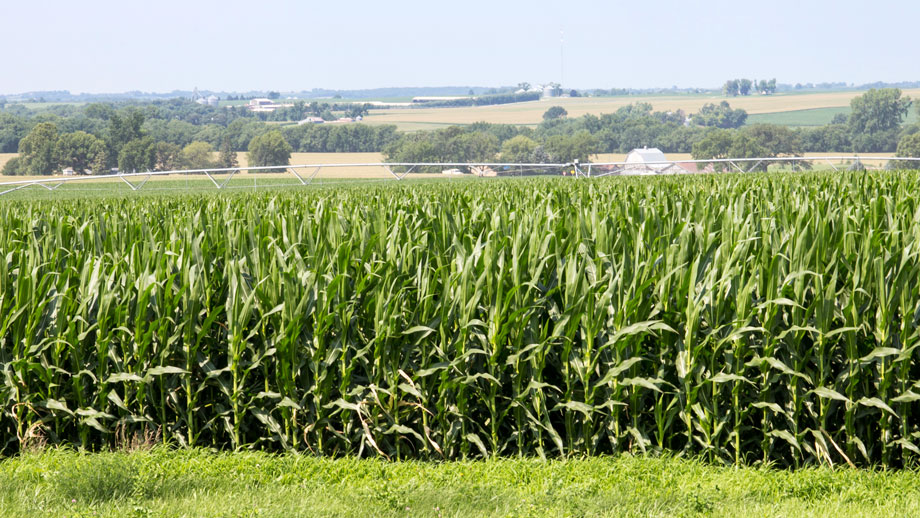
(114,46)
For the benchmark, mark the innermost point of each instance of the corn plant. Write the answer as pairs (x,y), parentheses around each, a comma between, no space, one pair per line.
(744,318)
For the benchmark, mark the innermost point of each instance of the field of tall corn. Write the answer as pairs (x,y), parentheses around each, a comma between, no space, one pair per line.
(740,318)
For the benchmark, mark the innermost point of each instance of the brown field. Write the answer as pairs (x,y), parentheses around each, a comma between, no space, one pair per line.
(414,119)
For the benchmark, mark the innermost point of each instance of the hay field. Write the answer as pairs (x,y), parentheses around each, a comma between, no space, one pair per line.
(4,158)
(532,112)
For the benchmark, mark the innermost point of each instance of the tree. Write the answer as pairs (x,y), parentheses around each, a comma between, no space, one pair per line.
(227,157)
(731,87)
(472,147)
(137,155)
(839,118)
(12,129)
(518,149)
(274,95)
(167,156)
(196,155)
(720,116)
(744,86)
(99,111)
(124,126)
(37,150)
(13,167)
(524,86)
(555,112)
(568,148)
(269,149)
(878,111)
(100,159)
(78,150)
(357,110)
(776,140)
(909,146)
(723,143)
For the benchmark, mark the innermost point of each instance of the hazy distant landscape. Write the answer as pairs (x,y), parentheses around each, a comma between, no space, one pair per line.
(44,133)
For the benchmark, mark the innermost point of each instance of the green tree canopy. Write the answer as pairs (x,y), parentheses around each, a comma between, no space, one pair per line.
(12,167)
(776,140)
(167,156)
(909,146)
(452,144)
(196,155)
(744,86)
(124,126)
(555,112)
(227,157)
(269,149)
(79,150)
(568,148)
(721,143)
(12,129)
(731,87)
(518,149)
(137,155)
(878,111)
(37,150)
(720,116)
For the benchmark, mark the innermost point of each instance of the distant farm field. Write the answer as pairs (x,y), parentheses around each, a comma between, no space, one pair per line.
(413,119)
(810,117)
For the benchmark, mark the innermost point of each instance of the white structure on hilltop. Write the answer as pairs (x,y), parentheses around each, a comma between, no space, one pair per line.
(265,105)
(650,161)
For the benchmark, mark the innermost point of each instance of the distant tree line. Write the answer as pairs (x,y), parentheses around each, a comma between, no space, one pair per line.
(485,100)
(102,138)
(736,87)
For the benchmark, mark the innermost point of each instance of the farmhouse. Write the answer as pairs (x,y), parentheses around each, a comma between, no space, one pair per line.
(648,161)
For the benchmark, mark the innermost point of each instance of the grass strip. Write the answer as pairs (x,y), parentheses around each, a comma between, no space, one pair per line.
(185,483)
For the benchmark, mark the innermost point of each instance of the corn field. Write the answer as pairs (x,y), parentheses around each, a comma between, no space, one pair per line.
(744,319)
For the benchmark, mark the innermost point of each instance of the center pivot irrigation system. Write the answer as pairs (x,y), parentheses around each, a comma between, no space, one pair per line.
(304,174)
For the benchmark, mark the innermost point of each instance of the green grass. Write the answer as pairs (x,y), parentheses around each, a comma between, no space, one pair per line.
(813,117)
(192,483)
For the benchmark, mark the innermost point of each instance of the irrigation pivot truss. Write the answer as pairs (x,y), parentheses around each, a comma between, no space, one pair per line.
(304,174)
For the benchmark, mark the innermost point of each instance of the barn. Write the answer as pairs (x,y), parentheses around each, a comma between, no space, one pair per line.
(650,161)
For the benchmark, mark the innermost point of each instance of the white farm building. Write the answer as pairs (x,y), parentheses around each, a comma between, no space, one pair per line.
(650,161)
